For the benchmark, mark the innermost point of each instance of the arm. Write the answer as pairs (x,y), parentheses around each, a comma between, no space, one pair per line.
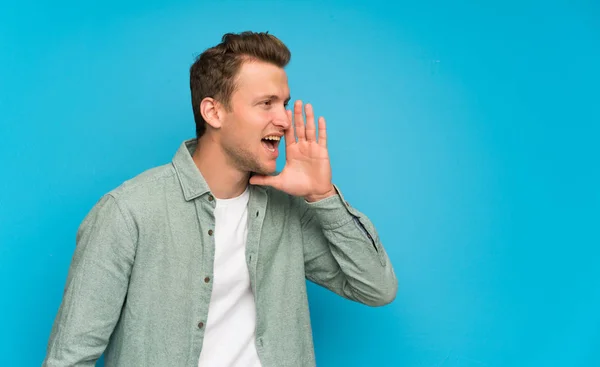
(95,289)
(341,248)
(342,252)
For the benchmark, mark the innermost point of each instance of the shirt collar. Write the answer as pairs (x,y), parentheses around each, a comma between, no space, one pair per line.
(190,178)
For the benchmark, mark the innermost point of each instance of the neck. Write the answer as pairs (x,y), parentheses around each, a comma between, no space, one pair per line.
(224,180)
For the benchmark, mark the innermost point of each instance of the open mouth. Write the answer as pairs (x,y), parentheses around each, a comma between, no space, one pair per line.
(271,142)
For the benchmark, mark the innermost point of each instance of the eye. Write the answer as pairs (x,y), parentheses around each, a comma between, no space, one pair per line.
(267,103)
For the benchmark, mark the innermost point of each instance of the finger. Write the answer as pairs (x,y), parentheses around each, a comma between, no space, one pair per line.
(322,132)
(299,121)
(289,132)
(310,129)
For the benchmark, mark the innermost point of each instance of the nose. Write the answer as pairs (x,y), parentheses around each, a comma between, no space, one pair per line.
(280,118)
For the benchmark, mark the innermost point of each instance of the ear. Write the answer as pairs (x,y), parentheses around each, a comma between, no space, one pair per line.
(211,112)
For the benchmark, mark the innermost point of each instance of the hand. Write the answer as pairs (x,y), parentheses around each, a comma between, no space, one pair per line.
(307,170)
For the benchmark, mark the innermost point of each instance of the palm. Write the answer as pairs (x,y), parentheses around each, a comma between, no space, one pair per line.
(307,170)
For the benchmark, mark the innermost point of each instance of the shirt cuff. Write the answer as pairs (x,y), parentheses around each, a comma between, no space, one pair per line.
(334,211)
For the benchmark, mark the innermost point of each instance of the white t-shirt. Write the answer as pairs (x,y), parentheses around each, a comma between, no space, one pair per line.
(229,338)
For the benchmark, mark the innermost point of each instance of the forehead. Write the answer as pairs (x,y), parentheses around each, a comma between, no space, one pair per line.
(261,78)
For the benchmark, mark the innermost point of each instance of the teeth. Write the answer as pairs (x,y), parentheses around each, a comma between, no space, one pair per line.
(272,137)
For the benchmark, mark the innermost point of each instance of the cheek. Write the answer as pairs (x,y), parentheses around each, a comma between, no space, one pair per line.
(253,123)
(246,130)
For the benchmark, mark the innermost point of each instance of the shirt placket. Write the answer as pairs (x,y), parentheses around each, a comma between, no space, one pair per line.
(256,213)
(205,206)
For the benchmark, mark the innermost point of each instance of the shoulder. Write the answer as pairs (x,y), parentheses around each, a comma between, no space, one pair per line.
(146,191)
(135,197)
(144,183)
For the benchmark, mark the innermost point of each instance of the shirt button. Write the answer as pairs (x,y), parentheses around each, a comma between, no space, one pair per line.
(211,198)
(200,325)
(210,232)
(206,280)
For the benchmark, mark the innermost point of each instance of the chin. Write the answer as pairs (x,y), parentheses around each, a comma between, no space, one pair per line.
(266,169)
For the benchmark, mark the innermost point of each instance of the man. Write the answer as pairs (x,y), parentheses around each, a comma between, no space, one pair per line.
(202,262)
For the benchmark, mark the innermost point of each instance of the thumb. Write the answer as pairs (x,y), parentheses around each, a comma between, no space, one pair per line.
(264,180)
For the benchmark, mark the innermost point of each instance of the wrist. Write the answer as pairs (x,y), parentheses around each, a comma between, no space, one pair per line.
(318,197)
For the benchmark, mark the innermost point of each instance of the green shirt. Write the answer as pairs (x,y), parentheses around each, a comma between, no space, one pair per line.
(139,284)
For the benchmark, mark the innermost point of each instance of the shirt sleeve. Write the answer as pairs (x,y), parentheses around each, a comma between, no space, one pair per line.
(95,288)
(343,252)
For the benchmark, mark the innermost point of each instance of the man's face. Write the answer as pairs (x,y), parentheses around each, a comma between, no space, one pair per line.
(257,117)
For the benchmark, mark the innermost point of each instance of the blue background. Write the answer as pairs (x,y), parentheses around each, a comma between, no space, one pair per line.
(467,132)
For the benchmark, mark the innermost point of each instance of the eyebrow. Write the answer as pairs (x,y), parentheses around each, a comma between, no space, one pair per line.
(273,96)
